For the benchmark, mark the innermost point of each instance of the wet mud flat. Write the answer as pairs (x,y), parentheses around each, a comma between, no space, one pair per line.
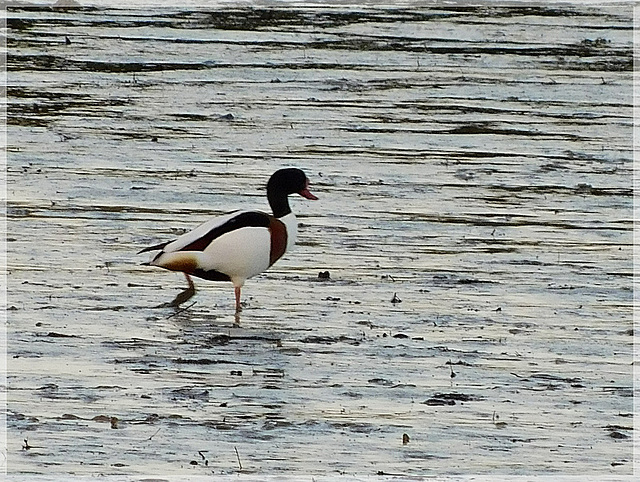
(474,170)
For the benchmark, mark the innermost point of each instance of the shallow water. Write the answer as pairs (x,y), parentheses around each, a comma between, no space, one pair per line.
(473,162)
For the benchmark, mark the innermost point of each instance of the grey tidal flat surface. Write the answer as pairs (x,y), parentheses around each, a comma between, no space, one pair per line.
(473,165)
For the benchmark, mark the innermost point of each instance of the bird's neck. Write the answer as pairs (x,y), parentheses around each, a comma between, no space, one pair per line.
(279,203)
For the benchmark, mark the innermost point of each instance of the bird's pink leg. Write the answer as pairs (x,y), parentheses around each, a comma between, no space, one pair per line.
(238,305)
(190,281)
(186,294)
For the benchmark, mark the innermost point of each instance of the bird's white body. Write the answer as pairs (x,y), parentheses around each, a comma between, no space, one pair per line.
(241,253)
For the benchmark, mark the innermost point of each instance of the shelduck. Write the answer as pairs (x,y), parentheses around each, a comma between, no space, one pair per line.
(236,246)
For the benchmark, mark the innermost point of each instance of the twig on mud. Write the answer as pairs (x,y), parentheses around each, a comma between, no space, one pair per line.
(206,462)
(181,311)
(238,456)
(156,433)
(26,446)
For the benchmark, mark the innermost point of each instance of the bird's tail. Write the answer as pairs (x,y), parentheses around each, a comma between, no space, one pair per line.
(153,248)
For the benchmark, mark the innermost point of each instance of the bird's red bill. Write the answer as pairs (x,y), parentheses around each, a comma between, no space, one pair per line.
(306,193)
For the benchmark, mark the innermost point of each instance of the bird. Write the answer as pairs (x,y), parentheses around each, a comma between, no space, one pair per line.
(238,245)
